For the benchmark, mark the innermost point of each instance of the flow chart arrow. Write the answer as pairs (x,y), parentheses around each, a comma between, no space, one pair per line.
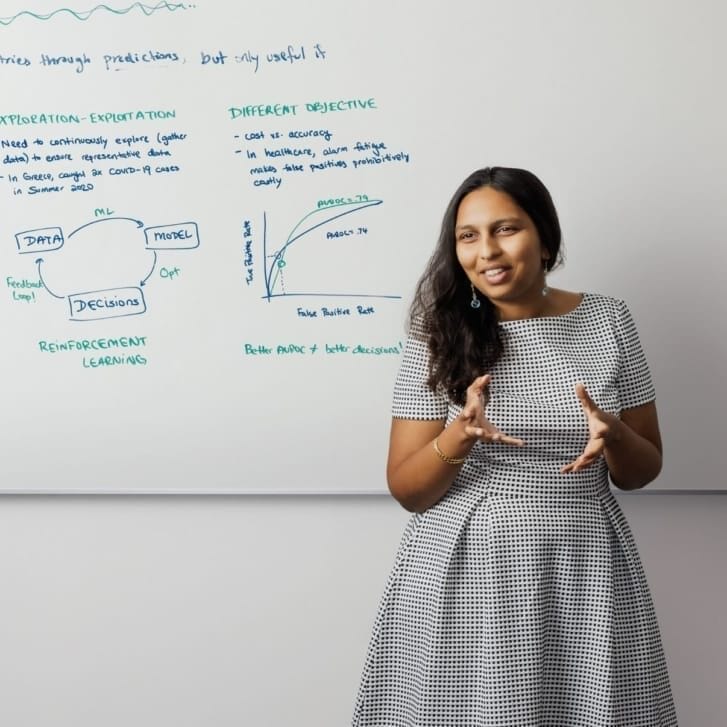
(40,275)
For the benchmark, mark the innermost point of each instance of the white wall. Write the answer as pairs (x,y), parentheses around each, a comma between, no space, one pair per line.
(200,612)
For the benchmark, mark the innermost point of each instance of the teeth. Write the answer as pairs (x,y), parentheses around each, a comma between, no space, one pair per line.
(495,271)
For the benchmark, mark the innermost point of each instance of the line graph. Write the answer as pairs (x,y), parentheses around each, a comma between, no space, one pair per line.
(276,263)
(84,15)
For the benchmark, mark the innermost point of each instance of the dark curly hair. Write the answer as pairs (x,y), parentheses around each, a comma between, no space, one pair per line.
(465,342)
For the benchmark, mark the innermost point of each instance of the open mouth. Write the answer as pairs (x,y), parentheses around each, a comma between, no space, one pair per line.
(496,275)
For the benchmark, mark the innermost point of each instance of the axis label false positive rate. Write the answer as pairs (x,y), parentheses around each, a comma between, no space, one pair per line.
(359,310)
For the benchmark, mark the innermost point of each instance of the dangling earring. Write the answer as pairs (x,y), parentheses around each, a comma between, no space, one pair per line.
(545,289)
(475,302)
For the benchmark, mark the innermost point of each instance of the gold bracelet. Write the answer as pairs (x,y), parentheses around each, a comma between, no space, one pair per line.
(443,456)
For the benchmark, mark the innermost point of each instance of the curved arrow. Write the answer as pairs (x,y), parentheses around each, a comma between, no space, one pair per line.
(38,262)
(139,223)
(151,272)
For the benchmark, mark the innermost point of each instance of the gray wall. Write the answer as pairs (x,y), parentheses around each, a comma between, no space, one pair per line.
(200,612)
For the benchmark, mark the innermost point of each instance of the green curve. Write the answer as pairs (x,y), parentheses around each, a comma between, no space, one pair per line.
(84,15)
(292,232)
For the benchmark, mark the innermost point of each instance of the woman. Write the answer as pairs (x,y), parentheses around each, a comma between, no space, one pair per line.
(517,596)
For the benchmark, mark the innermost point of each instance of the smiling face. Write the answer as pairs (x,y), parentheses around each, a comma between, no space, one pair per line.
(499,249)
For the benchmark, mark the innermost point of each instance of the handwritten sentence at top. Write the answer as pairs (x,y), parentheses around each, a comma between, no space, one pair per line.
(164,58)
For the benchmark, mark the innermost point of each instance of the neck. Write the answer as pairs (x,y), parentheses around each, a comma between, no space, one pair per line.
(536,305)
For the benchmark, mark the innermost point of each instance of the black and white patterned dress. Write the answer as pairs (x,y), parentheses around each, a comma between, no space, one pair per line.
(519,599)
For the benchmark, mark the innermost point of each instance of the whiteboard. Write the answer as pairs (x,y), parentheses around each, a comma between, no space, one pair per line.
(214,215)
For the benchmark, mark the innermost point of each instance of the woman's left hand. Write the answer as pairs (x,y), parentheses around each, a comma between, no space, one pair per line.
(602,428)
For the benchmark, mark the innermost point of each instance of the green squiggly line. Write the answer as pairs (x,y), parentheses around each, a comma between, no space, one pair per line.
(86,14)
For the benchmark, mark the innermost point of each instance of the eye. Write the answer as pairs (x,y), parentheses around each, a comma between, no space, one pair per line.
(506,230)
(466,236)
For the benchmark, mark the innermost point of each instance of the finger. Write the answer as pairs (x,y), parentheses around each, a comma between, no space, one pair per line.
(577,464)
(586,401)
(584,462)
(580,463)
(485,390)
(476,398)
(515,441)
(498,436)
(492,436)
(478,385)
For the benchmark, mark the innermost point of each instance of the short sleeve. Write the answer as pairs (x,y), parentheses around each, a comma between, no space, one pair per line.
(413,398)
(635,386)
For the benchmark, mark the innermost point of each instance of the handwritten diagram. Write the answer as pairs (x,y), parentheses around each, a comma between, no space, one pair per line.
(84,15)
(103,265)
(327,221)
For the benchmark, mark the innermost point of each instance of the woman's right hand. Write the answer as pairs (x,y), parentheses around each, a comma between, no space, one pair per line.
(417,474)
(476,424)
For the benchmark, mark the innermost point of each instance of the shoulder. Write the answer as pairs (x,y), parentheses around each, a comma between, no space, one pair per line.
(613,308)
(600,300)
(566,302)
(418,330)
(613,314)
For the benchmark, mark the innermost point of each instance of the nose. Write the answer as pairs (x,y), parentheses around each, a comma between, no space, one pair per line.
(489,246)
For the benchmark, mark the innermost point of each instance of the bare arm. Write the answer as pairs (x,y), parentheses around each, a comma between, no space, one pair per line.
(634,453)
(417,477)
(418,473)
